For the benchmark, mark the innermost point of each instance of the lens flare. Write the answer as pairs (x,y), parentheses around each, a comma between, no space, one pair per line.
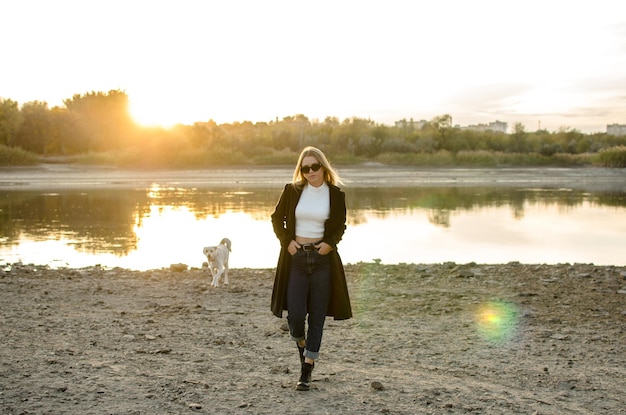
(496,321)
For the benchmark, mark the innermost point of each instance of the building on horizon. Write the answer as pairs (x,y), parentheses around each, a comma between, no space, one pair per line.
(496,126)
(414,125)
(616,129)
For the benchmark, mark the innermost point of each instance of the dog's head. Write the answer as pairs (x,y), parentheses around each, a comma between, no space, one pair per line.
(209,252)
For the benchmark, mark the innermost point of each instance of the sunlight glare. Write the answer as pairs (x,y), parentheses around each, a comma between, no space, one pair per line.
(154,113)
(496,321)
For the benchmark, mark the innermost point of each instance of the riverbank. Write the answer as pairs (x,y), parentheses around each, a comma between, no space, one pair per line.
(425,338)
(73,176)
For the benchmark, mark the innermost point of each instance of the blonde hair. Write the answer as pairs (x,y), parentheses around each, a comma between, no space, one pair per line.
(330,174)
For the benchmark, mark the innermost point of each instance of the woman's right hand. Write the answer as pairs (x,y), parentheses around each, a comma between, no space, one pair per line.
(293,247)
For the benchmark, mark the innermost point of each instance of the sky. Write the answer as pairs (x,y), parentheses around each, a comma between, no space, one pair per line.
(548,64)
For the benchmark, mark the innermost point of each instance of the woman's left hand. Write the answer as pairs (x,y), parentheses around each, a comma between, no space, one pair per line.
(323,248)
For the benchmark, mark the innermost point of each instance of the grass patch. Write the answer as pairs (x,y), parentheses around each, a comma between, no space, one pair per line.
(276,158)
(97,159)
(477,158)
(15,156)
(181,157)
(438,159)
(613,157)
(481,158)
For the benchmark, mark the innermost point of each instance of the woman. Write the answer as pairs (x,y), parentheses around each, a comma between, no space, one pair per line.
(309,220)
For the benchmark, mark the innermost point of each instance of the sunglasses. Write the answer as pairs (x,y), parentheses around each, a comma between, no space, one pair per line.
(307,169)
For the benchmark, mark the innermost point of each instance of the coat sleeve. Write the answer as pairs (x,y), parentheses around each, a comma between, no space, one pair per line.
(279,217)
(336,223)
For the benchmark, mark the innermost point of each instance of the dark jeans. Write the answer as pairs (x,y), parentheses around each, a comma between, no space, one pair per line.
(308,293)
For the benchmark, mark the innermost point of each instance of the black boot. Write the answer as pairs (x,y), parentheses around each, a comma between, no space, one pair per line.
(304,384)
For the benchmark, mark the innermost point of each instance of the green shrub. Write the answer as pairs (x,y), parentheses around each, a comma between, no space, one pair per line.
(397,145)
(15,156)
(189,158)
(280,157)
(344,159)
(439,159)
(613,157)
(395,158)
(225,157)
(567,159)
(476,158)
(523,159)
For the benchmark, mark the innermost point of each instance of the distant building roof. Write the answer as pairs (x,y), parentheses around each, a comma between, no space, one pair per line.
(497,126)
(616,129)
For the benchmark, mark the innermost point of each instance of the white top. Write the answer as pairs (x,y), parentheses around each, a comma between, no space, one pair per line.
(312,211)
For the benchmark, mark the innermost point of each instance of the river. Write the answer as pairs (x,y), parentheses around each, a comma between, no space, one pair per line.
(75,216)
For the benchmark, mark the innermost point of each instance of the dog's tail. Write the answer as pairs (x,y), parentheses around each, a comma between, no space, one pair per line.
(226,242)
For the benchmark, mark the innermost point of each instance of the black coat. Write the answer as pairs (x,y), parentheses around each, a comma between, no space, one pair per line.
(284,223)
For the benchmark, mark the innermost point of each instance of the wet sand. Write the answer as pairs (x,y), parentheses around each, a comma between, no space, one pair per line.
(63,176)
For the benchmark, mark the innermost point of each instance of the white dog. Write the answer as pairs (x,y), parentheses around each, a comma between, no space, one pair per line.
(218,260)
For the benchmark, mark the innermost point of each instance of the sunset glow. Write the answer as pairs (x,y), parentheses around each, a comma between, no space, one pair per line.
(551,63)
(153,114)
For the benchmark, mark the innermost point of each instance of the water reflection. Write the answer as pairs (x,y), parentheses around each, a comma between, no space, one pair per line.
(157,226)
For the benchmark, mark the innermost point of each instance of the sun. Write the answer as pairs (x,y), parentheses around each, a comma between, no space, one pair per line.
(154,113)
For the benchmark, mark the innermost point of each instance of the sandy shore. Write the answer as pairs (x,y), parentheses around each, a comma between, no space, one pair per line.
(72,176)
(425,339)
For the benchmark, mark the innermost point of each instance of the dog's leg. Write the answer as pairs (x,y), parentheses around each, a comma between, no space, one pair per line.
(215,275)
(218,274)
(226,273)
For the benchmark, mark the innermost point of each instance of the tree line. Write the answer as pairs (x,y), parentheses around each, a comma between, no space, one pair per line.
(97,126)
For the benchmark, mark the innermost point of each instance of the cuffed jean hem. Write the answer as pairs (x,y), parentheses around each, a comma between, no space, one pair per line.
(307,353)
(297,339)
